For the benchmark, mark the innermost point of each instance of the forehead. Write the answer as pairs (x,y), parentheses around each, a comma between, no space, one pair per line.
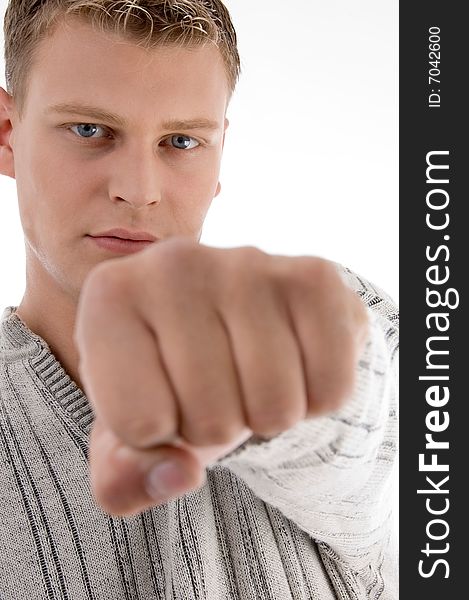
(77,63)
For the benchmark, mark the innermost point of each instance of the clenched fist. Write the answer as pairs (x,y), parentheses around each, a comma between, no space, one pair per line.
(186,351)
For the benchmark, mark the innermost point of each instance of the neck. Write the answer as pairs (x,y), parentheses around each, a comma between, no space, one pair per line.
(50,312)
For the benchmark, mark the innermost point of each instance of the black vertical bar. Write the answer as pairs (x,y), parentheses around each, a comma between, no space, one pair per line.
(434,271)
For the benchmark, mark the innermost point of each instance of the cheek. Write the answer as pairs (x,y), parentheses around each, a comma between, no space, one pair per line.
(187,210)
(189,192)
(49,194)
(189,199)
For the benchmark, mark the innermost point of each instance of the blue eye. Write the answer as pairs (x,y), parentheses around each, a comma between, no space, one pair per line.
(184,142)
(86,130)
(89,130)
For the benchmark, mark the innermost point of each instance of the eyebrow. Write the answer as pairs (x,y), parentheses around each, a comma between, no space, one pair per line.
(104,115)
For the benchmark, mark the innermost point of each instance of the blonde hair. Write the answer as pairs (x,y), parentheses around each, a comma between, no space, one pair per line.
(148,23)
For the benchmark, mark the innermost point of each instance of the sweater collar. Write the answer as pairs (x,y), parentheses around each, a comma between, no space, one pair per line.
(19,343)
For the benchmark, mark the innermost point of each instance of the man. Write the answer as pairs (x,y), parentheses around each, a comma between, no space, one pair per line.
(237,409)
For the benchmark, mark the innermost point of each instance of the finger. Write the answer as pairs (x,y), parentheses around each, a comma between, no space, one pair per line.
(329,326)
(121,476)
(198,358)
(120,364)
(268,359)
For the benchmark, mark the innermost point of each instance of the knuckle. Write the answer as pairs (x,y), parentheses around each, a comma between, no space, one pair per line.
(326,273)
(318,273)
(249,255)
(175,265)
(246,264)
(242,275)
(304,276)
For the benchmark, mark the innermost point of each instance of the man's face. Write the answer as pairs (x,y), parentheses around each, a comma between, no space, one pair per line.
(80,174)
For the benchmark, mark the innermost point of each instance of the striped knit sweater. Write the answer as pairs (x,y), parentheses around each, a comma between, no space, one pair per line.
(305,515)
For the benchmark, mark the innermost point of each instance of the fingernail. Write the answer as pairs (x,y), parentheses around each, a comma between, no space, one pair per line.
(165,479)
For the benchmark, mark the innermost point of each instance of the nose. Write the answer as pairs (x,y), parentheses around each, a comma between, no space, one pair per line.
(137,177)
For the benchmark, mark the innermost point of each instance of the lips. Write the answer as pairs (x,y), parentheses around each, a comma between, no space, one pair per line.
(122,241)
(126,234)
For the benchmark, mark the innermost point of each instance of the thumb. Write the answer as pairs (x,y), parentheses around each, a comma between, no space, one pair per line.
(126,481)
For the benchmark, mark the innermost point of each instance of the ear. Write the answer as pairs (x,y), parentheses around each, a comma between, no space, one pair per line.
(7,162)
(227,123)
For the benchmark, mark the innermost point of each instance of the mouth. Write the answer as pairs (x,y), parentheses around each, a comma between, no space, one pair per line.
(121,241)
(125,234)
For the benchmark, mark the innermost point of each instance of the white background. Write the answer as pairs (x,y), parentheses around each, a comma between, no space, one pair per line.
(311,158)
(311,155)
